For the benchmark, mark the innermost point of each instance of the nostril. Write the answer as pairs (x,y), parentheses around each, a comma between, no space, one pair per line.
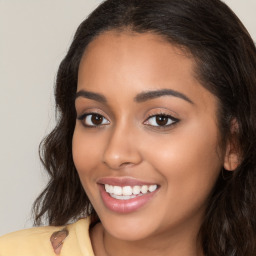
(117,164)
(126,164)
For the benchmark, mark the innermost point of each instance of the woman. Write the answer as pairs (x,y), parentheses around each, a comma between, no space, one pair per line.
(154,149)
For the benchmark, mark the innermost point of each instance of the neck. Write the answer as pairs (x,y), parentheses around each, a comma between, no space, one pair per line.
(177,243)
(151,247)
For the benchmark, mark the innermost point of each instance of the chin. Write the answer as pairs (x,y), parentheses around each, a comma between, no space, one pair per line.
(129,228)
(131,234)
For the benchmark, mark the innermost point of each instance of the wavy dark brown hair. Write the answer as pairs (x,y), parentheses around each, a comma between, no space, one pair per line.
(225,58)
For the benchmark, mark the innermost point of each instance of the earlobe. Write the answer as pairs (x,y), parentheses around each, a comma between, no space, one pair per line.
(231,161)
(232,154)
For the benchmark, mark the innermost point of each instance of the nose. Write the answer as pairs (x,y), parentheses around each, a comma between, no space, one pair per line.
(122,149)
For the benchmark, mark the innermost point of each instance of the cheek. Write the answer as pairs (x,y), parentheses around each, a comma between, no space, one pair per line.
(188,162)
(86,150)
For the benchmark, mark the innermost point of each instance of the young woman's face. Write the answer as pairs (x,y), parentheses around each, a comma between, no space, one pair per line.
(147,133)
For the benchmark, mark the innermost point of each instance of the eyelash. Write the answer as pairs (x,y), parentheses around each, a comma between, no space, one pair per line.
(170,118)
(83,117)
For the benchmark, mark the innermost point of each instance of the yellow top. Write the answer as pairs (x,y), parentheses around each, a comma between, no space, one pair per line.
(36,241)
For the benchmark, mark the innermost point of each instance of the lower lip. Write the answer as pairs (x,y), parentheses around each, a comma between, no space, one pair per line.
(125,206)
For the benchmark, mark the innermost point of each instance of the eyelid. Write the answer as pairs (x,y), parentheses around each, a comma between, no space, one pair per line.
(161,111)
(165,115)
(89,112)
(173,119)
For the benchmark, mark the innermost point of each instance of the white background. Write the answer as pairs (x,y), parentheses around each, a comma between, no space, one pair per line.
(34,37)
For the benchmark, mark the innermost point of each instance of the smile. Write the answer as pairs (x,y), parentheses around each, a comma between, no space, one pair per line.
(126,195)
(128,192)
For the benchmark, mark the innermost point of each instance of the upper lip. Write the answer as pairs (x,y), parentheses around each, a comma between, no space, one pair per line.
(123,181)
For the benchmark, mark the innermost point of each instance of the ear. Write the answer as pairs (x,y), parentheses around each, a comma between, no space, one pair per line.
(232,152)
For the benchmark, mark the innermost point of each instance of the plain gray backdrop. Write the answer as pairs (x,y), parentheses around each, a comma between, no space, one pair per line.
(34,37)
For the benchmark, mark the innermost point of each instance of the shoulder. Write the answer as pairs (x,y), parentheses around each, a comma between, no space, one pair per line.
(37,241)
(28,241)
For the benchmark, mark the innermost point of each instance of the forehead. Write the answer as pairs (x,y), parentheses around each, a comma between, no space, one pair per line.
(143,56)
(127,39)
(121,65)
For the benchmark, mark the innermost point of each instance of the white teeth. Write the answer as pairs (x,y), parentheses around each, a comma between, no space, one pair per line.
(122,197)
(128,192)
(107,188)
(136,190)
(152,188)
(118,191)
(144,189)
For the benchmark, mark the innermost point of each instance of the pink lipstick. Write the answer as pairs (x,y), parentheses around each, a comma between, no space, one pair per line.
(126,195)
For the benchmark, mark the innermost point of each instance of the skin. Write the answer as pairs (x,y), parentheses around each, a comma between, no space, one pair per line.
(183,158)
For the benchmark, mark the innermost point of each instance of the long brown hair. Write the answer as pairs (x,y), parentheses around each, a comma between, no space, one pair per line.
(226,65)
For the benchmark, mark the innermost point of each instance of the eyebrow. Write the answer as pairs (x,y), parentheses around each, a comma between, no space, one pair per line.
(149,95)
(141,97)
(91,95)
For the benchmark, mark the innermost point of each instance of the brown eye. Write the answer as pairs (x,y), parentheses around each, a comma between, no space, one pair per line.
(94,120)
(161,120)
